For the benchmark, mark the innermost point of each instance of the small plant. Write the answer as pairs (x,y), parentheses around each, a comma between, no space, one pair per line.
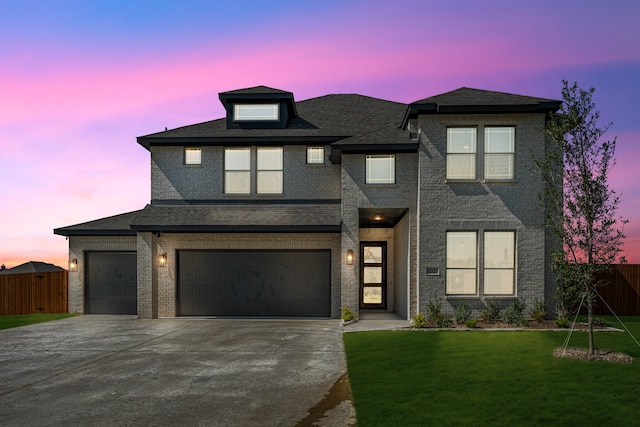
(419,321)
(461,313)
(600,322)
(539,310)
(346,314)
(514,313)
(491,313)
(436,316)
(562,322)
(471,323)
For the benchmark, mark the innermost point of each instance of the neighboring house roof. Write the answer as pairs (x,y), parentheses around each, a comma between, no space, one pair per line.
(32,267)
(468,100)
(324,119)
(117,225)
(324,217)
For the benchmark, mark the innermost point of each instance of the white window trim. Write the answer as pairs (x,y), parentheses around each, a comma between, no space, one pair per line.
(510,154)
(259,169)
(450,268)
(189,159)
(369,162)
(256,112)
(312,161)
(453,155)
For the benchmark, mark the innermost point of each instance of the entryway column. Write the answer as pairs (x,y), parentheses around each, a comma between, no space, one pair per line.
(147,276)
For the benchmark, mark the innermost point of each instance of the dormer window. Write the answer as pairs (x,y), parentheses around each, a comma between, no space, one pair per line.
(256,112)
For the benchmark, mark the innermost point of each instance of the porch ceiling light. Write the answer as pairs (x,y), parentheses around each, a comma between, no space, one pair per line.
(378,218)
(350,256)
(162,260)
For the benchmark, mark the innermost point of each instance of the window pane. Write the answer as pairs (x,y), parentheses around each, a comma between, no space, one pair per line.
(498,282)
(258,112)
(270,158)
(461,166)
(380,169)
(315,155)
(192,156)
(461,140)
(372,295)
(499,140)
(372,275)
(269,182)
(372,254)
(499,249)
(461,282)
(461,249)
(237,182)
(498,166)
(237,159)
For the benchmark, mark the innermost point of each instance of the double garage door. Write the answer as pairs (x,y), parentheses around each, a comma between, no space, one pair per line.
(254,283)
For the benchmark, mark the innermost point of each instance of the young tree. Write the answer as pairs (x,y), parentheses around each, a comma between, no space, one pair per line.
(580,207)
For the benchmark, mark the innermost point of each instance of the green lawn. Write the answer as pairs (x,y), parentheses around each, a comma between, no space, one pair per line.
(450,378)
(14,321)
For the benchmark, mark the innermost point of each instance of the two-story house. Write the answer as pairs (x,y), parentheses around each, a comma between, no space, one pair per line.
(286,208)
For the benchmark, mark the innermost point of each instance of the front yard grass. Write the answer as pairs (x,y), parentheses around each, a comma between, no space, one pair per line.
(458,378)
(13,321)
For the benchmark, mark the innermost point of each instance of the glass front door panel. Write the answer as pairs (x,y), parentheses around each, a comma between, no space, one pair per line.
(373,273)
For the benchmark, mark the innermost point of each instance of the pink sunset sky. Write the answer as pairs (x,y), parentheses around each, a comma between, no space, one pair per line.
(79,81)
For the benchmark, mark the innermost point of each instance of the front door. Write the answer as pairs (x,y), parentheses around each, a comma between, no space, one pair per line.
(373,275)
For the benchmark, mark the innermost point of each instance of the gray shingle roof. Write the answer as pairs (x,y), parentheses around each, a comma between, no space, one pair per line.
(326,118)
(256,90)
(465,96)
(389,138)
(239,218)
(117,225)
(32,267)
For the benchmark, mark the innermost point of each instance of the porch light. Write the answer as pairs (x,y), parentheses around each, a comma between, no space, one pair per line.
(162,260)
(349,257)
(73,264)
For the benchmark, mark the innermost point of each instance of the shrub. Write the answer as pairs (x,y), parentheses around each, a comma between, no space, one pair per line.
(419,321)
(461,313)
(539,310)
(492,312)
(436,316)
(514,313)
(603,323)
(471,323)
(562,322)
(347,315)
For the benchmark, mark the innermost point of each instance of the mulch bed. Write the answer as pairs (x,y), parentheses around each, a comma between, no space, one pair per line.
(583,354)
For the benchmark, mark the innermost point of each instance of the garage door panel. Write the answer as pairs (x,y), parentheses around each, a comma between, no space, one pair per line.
(254,283)
(111,283)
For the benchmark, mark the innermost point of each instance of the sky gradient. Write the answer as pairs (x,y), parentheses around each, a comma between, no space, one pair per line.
(79,81)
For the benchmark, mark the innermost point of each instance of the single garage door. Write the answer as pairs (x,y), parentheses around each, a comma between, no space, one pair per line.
(254,283)
(111,285)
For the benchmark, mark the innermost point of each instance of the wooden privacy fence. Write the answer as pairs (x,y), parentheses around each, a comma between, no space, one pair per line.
(28,293)
(622,292)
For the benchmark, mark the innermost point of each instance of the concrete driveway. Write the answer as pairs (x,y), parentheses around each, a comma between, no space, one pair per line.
(121,371)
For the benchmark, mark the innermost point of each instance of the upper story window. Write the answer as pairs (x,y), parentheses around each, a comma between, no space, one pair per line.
(192,156)
(256,112)
(315,155)
(237,170)
(461,153)
(380,169)
(499,147)
(269,170)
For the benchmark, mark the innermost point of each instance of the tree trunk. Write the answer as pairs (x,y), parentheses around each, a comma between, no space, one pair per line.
(590,321)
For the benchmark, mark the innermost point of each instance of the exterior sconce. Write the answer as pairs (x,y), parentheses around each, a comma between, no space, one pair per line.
(349,257)
(73,264)
(162,260)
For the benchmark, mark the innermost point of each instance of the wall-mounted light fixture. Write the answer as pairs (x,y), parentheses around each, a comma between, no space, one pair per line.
(73,264)
(162,260)
(350,256)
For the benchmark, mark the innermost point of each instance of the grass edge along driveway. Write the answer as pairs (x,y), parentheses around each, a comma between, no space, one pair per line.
(15,320)
(453,378)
